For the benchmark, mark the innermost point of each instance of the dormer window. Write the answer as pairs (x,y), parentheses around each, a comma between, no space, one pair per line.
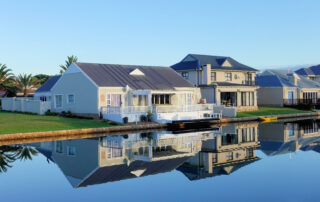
(185,75)
(136,72)
(228,76)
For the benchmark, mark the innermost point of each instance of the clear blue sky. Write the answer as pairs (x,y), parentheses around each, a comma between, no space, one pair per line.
(37,36)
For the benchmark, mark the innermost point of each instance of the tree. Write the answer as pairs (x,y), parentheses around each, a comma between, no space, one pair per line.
(68,62)
(42,78)
(5,76)
(25,82)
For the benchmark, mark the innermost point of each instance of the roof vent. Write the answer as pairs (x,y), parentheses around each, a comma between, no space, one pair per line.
(136,72)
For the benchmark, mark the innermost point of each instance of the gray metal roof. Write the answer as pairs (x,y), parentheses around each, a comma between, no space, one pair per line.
(46,87)
(310,71)
(215,61)
(113,75)
(280,78)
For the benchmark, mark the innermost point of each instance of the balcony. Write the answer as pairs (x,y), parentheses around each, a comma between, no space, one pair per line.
(249,83)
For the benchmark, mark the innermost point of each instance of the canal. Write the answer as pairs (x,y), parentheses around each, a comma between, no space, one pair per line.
(276,161)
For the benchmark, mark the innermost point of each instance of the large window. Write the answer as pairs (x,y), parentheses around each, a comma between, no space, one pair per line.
(58,101)
(213,76)
(247,98)
(228,76)
(160,99)
(185,75)
(310,97)
(248,135)
(113,100)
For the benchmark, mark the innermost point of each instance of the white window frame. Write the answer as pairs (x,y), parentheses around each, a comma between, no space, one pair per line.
(185,75)
(56,145)
(226,76)
(55,101)
(74,99)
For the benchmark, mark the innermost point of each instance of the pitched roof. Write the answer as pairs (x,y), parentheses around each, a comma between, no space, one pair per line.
(154,78)
(280,78)
(123,171)
(310,71)
(215,61)
(48,84)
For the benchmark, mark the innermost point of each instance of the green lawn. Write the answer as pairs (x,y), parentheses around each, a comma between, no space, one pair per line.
(18,123)
(263,111)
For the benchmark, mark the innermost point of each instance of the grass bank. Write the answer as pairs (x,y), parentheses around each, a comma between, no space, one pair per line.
(22,123)
(264,111)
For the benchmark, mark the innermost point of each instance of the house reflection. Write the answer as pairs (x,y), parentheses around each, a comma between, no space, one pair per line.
(234,148)
(287,137)
(94,161)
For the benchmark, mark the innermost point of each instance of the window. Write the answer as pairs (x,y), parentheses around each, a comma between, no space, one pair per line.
(248,135)
(58,101)
(108,100)
(114,149)
(229,156)
(71,151)
(213,76)
(214,158)
(162,99)
(185,75)
(43,98)
(247,98)
(228,76)
(250,153)
(59,147)
(291,130)
(70,99)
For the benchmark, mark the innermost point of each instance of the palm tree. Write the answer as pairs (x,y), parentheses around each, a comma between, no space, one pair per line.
(25,153)
(25,82)
(7,157)
(5,76)
(68,62)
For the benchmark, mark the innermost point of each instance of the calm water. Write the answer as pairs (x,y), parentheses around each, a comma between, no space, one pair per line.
(242,162)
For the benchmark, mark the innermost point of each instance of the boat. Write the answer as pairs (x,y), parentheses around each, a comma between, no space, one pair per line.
(268,119)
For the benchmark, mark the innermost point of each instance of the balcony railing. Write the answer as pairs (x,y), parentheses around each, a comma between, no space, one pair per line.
(312,101)
(157,109)
(249,83)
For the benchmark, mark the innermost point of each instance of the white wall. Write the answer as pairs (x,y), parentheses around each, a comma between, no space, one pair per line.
(25,105)
(85,92)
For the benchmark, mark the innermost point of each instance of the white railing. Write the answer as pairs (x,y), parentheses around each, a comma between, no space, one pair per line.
(125,110)
(183,108)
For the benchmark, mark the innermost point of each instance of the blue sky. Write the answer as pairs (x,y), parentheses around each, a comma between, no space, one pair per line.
(37,36)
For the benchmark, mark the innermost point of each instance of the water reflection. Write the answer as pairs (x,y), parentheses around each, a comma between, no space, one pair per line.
(196,154)
(225,153)
(288,137)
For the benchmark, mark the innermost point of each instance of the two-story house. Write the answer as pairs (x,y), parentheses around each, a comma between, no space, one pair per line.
(312,73)
(222,80)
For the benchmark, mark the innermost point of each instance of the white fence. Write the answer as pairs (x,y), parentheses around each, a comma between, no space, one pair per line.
(25,105)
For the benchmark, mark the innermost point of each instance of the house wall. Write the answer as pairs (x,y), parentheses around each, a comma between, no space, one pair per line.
(85,92)
(195,77)
(238,77)
(272,96)
(83,162)
(208,93)
(271,132)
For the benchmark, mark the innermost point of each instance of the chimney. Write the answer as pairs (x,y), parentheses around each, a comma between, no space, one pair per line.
(206,76)
(293,78)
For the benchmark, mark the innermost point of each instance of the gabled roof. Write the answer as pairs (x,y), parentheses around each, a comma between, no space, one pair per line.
(215,61)
(48,84)
(123,171)
(310,71)
(280,78)
(197,172)
(154,78)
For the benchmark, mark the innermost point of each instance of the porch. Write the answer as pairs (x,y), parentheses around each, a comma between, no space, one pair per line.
(160,114)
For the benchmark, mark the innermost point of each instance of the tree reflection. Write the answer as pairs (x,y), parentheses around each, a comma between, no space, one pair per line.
(9,154)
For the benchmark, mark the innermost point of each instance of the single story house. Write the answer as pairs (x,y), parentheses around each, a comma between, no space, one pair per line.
(126,92)
(281,87)
(222,80)
(44,92)
(312,73)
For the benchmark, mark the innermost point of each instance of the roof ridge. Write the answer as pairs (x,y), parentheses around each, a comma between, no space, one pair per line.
(120,64)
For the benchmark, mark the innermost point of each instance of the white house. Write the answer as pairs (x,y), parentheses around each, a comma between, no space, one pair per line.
(128,91)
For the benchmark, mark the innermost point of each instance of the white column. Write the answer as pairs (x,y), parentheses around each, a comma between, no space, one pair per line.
(149,102)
